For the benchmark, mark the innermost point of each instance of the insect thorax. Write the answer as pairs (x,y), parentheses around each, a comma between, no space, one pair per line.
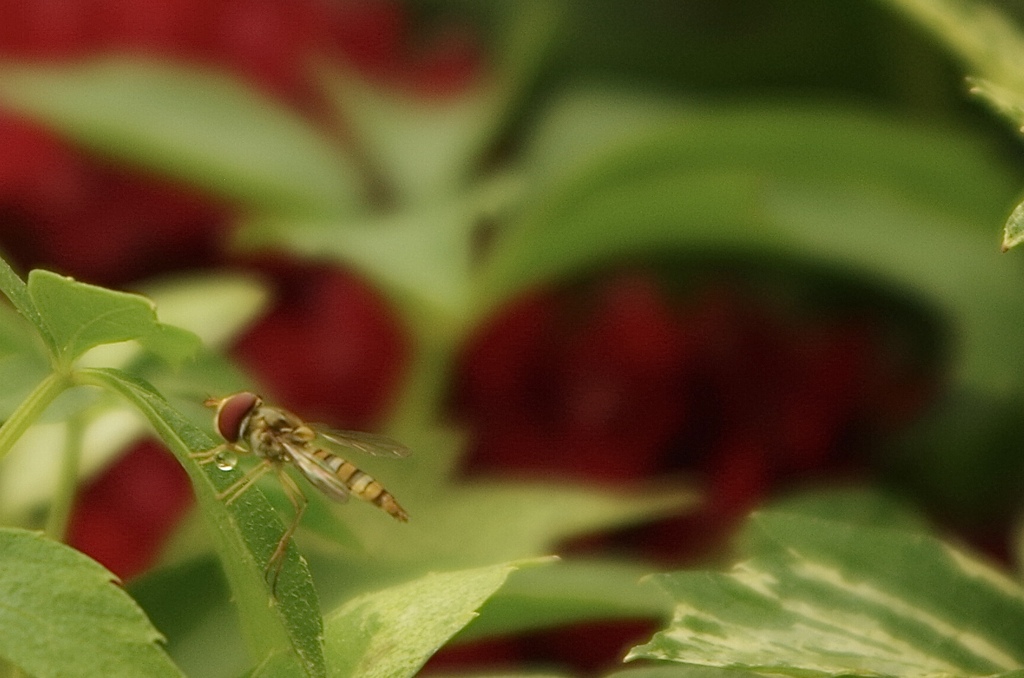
(269,431)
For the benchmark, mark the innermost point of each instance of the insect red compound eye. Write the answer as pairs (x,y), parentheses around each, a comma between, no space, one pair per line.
(232,412)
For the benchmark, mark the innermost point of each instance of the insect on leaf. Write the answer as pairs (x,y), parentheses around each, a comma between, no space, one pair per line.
(245,533)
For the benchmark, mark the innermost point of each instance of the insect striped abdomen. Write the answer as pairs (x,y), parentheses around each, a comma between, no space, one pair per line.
(361,484)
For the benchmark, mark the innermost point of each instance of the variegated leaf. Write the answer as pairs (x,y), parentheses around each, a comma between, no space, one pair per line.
(823,597)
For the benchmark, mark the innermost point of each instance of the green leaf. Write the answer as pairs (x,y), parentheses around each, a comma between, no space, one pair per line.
(1009,103)
(424,147)
(422,256)
(16,291)
(245,534)
(937,258)
(651,185)
(216,306)
(681,671)
(586,122)
(24,360)
(469,525)
(569,592)
(457,524)
(861,505)
(190,603)
(822,597)
(392,633)
(80,316)
(594,138)
(62,615)
(985,39)
(840,191)
(990,45)
(200,126)
(484,522)
(320,518)
(1013,231)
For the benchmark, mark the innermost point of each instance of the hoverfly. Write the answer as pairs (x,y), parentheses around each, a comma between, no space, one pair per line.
(279,438)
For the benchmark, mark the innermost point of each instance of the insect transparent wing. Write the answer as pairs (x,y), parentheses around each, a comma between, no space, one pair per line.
(320,475)
(369,443)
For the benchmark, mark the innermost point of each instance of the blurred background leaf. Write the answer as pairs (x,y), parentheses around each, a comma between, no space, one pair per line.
(203,127)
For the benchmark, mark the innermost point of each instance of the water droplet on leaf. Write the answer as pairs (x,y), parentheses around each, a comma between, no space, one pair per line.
(226,460)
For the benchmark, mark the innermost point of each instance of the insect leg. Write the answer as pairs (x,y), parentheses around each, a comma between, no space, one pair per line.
(299,501)
(204,457)
(238,488)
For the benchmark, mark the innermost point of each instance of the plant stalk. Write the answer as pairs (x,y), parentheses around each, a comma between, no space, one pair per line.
(30,409)
(63,498)
(422,396)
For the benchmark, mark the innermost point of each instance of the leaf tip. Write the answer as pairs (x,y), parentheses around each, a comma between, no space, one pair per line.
(1011,238)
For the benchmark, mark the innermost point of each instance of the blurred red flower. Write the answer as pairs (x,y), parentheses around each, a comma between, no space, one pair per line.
(330,348)
(124,517)
(594,390)
(628,383)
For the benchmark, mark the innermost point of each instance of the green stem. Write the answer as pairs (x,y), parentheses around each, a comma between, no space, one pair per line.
(60,510)
(30,409)
(421,402)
